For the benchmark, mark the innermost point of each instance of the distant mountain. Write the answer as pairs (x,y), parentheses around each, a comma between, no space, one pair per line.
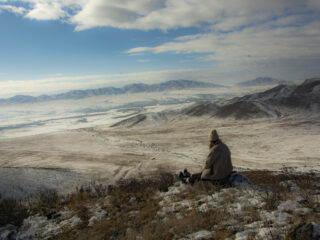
(274,101)
(261,81)
(237,110)
(19,98)
(132,88)
(273,95)
(270,103)
(182,84)
(305,95)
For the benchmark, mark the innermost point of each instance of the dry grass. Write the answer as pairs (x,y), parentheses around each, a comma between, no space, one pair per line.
(46,202)
(132,207)
(12,212)
(189,222)
(275,187)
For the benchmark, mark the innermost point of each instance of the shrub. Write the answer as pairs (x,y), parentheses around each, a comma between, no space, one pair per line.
(13,212)
(46,202)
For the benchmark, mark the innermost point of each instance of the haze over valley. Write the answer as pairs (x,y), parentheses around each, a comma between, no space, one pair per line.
(127,135)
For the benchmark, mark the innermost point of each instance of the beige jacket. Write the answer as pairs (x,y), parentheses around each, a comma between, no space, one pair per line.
(218,164)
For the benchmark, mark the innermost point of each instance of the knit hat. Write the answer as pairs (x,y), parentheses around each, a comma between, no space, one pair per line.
(213,136)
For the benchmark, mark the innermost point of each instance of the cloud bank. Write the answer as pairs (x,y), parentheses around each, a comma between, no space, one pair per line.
(253,47)
(168,14)
(62,84)
(233,29)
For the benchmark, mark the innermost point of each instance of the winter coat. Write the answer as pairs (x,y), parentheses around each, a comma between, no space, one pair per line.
(218,163)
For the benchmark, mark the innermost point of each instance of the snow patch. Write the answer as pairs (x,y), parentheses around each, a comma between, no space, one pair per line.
(200,235)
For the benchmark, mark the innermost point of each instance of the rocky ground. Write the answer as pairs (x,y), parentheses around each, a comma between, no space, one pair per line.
(275,205)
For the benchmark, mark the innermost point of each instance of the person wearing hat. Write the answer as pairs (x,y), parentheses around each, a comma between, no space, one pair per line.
(218,165)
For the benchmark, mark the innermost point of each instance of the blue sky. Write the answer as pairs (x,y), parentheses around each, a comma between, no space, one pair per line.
(58,45)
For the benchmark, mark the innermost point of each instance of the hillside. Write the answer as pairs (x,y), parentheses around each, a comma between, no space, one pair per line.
(201,109)
(276,205)
(144,119)
(303,96)
(261,81)
(246,110)
(270,103)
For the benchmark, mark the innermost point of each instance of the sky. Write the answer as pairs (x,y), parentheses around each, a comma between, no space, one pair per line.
(51,46)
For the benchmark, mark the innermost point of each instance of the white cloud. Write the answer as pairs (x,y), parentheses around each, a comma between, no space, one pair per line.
(114,13)
(13,9)
(170,14)
(265,43)
(47,11)
(255,49)
(165,14)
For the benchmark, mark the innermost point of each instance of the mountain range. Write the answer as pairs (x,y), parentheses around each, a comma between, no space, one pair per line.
(303,96)
(270,103)
(262,81)
(132,88)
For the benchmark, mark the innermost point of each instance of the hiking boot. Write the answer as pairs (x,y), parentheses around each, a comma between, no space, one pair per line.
(186,173)
(191,180)
(182,177)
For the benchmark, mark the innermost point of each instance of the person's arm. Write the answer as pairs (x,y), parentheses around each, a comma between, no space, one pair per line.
(210,159)
(208,165)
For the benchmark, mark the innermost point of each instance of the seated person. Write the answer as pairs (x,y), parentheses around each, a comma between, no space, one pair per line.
(218,165)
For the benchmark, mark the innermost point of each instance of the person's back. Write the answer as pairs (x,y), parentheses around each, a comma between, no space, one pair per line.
(218,164)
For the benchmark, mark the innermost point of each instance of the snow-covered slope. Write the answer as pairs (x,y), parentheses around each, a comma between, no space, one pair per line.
(143,120)
(201,109)
(305,96)
(260,81)
(246,110)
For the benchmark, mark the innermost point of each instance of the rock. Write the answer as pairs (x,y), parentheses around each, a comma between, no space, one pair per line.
(8,232)
(75,221)
(200,235)
(288,206)
(316,231)
(38,227)
(92,220)
(244,234)
(304,231)
(53,215)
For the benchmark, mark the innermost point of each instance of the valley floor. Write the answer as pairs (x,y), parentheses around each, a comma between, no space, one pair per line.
(112,154)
